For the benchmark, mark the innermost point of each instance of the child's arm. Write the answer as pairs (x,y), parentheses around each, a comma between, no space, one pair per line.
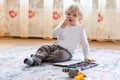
(85,44)
(85,47)
(59,29)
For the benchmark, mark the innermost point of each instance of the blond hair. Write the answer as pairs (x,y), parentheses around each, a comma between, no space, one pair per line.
(75,9)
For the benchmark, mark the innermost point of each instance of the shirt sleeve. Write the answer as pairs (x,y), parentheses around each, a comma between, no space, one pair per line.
(57,31)
(85,44)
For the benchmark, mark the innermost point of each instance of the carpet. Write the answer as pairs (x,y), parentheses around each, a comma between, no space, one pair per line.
(13,68)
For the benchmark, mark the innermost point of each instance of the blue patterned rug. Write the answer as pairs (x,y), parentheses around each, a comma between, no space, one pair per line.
(13,68)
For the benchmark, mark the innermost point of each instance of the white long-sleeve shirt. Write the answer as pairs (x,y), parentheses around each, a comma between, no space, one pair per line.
(69,38)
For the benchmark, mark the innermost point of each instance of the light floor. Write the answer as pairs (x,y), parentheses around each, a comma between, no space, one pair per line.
(6,42)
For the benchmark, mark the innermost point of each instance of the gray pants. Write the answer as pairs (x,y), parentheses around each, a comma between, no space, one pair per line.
(52,53)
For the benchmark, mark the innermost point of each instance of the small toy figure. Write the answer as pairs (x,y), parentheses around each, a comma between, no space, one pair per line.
(74,73)
(80,76)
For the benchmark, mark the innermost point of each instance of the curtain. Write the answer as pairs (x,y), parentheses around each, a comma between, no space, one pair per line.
(38,18)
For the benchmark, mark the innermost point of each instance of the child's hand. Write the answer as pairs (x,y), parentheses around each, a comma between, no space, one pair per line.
(89,60)
(65,23)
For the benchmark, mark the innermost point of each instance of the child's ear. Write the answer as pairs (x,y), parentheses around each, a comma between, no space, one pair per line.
(79,20)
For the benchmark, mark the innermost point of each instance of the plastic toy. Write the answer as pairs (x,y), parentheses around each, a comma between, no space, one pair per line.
(74,73)
(80,76)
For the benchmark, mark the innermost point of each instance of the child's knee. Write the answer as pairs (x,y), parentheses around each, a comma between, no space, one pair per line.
(60,56)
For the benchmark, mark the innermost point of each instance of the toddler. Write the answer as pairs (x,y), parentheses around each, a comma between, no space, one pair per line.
(69,34)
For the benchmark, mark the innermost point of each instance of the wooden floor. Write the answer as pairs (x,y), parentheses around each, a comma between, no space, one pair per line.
(6,42)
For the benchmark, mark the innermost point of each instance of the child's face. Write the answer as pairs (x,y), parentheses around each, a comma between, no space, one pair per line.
(72,18)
